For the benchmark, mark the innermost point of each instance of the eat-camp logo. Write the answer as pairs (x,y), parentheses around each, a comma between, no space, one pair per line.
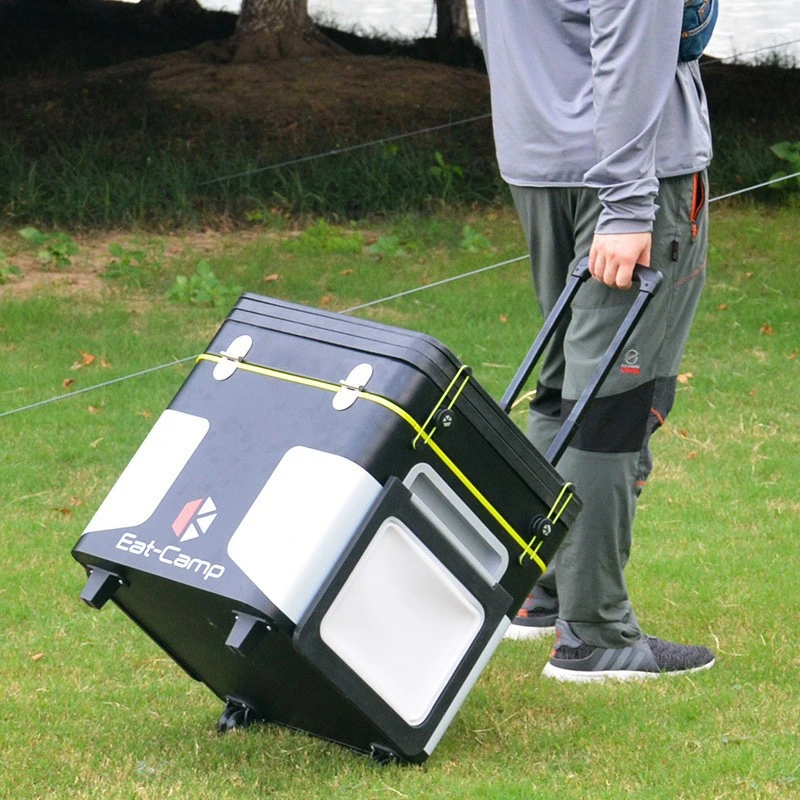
(195,518)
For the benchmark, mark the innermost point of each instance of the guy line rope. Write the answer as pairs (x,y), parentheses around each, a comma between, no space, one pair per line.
(396,296)
(397,137)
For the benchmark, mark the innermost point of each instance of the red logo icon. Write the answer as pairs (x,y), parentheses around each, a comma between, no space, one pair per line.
(195,518)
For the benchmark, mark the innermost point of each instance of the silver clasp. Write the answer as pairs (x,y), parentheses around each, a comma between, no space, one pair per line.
(232,357)
(353,384)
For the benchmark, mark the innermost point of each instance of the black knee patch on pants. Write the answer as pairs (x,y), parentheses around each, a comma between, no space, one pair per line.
(546,401)
(615,424)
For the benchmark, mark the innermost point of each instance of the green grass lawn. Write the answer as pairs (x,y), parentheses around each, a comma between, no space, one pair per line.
(94,709)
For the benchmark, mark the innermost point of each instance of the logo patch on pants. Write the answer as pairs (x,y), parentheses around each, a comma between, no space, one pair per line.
(630,363)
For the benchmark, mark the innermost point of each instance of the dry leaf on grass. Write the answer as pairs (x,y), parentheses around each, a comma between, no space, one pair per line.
(86,360)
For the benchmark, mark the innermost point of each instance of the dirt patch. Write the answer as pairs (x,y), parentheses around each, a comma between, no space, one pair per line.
(333,92)
(107,61)
(383,86)
(63,283)
(86,274)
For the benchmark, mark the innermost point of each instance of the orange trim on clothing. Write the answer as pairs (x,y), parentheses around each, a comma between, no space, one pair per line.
(698,201)
(657,415)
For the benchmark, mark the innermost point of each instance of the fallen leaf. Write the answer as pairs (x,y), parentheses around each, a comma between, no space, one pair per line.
(753,392)
(792,356)
(65,512)
(767,330)
(692,455)
(96,442)
(272,278)
(105,364)
(685,377)
(146,414)
(722,307)
(68,382)
(347,272)
(503,318)
(326,300)
(87,358)
(37,656)
(683,434)
(93,409)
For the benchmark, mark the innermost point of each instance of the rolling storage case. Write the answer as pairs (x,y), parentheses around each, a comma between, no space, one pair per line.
(331,526)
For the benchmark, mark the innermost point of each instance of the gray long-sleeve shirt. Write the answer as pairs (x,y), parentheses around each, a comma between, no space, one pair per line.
(590,93)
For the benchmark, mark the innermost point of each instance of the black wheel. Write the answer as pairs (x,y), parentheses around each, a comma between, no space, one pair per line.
(383,755)
(236,715)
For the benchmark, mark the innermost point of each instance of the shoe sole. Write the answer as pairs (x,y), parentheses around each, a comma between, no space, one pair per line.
(528,632)
(580,676)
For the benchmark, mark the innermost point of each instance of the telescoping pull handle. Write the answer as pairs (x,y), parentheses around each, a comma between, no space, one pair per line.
(649,281)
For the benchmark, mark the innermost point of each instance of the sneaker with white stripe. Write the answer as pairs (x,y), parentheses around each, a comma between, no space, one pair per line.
(575,661)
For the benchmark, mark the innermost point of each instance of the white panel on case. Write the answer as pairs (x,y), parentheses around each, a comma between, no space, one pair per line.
(299,525)
(408,647)
(151,472)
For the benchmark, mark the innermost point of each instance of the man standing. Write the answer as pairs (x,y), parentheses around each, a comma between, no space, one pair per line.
(603,138)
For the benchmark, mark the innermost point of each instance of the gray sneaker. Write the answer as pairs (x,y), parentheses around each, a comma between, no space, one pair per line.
(536,618)
(574,660)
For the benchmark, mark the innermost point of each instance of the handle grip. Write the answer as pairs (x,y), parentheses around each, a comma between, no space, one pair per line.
(649,279)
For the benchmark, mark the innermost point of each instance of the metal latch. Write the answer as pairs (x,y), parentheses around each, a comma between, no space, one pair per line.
(232,357)
(353,384)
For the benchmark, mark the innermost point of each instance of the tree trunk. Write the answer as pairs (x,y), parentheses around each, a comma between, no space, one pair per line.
(273,29)
(452,21)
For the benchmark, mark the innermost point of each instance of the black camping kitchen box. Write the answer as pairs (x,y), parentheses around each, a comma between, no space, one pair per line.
(331,526)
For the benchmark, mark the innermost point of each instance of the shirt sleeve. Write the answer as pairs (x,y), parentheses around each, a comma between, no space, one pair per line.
(634,63)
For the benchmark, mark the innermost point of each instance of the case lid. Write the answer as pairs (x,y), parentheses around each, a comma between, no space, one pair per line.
(415,352)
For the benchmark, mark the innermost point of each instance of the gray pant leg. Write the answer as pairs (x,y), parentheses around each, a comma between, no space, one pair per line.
(611,454)
(558,225)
